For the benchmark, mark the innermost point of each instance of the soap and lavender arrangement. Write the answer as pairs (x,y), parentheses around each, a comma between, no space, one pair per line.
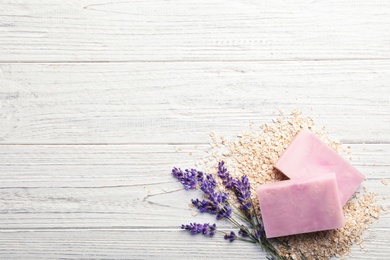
(282,173)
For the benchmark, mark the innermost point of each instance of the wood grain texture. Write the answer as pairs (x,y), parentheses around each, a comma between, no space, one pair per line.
(109,186)
(186,30)
(136,244)
(120,201)
(182,103)
(95,97)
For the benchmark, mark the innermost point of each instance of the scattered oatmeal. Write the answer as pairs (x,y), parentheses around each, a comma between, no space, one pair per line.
(385,182)
(255,152)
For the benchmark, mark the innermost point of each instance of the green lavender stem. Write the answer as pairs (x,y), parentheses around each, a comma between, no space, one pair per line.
(239,238)
(237,211)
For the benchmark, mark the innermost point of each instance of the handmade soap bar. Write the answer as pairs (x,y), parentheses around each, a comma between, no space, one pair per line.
(307,155)
(300,206)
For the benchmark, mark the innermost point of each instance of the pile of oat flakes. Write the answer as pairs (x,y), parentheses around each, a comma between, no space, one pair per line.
(254,153)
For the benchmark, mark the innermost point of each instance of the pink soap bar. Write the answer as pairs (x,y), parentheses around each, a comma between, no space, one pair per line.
(300,206)
(307,155)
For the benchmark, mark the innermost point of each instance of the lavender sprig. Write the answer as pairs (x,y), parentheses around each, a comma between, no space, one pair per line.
(216,203)
(208,184)
(189,178)
(227,180)
(242,189)
(210,230)
(205,229)
(231,237)
(243,232)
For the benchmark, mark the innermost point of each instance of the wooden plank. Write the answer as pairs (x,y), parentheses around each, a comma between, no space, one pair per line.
(120,186)
(182,102)
(158,30)
(144,244)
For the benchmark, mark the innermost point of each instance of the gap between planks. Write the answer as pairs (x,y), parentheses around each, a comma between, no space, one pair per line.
(193,61)
(91,228)
(344,142)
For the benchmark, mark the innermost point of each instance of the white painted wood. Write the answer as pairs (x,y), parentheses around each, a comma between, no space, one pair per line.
(120,201)
(113,186)
(183,102)
(159,30)
(141,244)
(95,96)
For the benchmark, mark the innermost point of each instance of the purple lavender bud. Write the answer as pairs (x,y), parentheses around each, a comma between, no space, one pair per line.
(215,204)
(259,231)
(246,206)
(201,205)
(242,190)
(199,176)
(196,228)
(190,178)
(242,232)
(178,173)
(189,184)
(221,197)
(227,180)
(225,212)
(207,187)
(206,206)
(232,236)
(211,179)
(222,171)
(209,229)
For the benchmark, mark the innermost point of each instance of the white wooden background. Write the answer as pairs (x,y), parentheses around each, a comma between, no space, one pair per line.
(95,96)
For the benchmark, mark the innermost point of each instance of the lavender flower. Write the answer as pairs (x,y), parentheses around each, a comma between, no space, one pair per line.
(242,189)
(225,175)
(208,185)
(225,212)
(178,173)
(243,232)
(199,175)
(222,171)
(232,236)
(220,197)
(209,229)
(189,178)
(205,229)
(259,231)
(214,203)
(205,206)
